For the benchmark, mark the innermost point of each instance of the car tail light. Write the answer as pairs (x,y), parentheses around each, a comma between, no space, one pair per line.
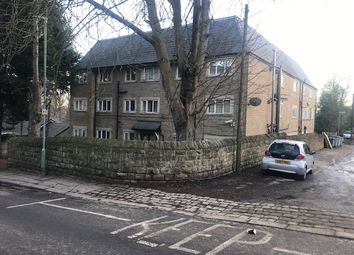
(300,157)
(268,153)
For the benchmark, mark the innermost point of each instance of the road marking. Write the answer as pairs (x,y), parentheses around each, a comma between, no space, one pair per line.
(145,225)
(237,239)
(290,251)
(87,212)
(153,245)
(34,203)
(178,246)
(174,228)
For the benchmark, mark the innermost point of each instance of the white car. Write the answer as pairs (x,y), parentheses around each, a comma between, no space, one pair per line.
(347,135)
(289,156)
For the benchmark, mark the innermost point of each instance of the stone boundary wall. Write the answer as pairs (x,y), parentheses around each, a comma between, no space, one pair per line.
(132,161)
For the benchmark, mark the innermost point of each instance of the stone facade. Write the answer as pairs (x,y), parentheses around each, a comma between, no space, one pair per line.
(132,161)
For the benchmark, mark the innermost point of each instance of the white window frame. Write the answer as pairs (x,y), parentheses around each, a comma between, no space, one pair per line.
(226,65)
(155,73)
(102,105)
(127,135)
(80,104)
(80,131)
(282,79)
(152,99)
(101,77)
(295,85)
(177,75)
(82,78)
(129,75)
(294,112)
(129,101)
(106,131)
(212,106)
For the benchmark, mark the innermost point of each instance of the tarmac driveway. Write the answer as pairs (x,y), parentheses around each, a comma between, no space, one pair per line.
(331,186)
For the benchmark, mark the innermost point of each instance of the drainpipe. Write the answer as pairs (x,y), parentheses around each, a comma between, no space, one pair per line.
(273,85)
(117,95)
(278,99)
(94,105)
(351,122)
(301,105)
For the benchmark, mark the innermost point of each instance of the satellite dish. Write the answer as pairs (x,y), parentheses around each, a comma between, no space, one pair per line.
(255,101)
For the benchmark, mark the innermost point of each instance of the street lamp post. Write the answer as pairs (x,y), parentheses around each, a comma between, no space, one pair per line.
(44,109)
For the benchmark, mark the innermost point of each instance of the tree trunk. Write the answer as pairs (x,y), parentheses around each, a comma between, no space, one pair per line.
(35,95)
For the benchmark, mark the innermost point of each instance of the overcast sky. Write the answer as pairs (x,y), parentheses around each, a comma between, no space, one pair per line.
(318,34)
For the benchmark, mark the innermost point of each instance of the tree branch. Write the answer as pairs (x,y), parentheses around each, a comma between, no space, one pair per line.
(125,22)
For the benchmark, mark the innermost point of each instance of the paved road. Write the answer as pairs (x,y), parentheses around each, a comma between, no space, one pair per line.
(38,222)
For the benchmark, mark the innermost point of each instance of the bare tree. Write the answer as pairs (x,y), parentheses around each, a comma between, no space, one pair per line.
(190,59)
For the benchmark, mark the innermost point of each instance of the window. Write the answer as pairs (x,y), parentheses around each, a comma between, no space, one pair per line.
(219,67)
(129,105)
(178,75)
(220,106)
(307,149)
(104,105)
(294,112)
(151,74)
(130,75)
(150,105)
(79,131)
(104,133)
(80,104)
(295,84)
(130,135)
(104,76)
(82,78)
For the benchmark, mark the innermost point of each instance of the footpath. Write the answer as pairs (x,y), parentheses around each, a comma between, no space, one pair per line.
(279,215)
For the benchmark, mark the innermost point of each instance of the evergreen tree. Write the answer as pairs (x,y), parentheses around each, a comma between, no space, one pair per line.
(331,107)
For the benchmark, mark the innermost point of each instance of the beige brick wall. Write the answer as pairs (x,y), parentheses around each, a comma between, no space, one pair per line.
(260,82)
(259,85)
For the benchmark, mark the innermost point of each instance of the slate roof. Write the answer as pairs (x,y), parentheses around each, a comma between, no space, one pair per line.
(21,129)
(225,38)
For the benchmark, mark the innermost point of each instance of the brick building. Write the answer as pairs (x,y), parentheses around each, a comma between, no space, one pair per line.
(120,94)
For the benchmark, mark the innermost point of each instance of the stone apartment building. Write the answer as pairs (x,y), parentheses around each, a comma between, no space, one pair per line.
(120,95)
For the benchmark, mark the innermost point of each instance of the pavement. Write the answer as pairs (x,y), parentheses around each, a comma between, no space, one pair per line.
(281,215)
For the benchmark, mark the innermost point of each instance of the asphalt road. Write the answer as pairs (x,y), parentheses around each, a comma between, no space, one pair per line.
(37,222)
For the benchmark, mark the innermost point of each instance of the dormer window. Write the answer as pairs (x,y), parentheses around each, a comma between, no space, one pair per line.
(104,76)
(82,78)
(130,75)
(219,67)
(151,74)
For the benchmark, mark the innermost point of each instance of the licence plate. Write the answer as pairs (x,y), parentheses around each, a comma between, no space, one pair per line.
(284,162)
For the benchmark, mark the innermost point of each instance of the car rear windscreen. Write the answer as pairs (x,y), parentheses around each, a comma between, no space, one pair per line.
(284,150)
